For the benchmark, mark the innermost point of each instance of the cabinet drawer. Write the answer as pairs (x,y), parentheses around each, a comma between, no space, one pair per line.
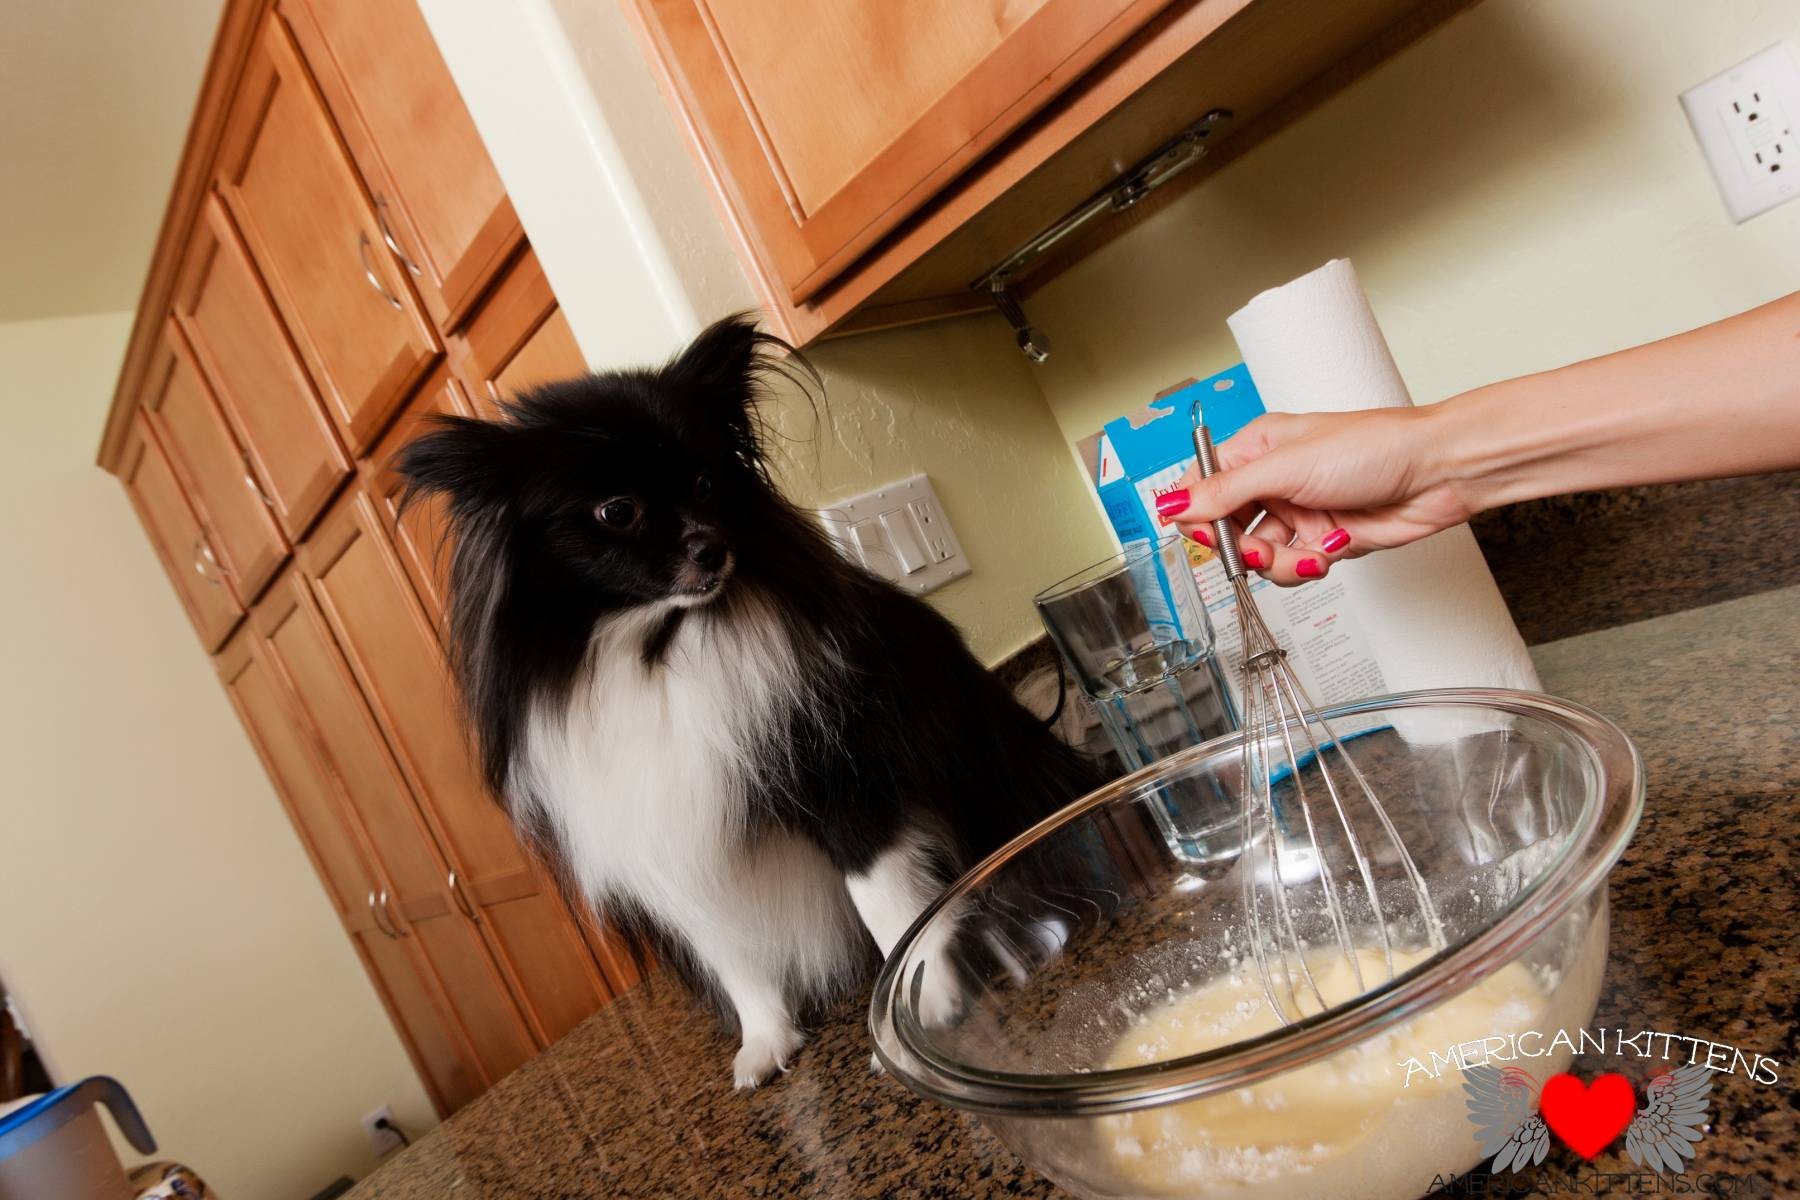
(243,349)
(419,530)
(180,541)
(517,340)
(214,470)
(288,182)
(442,206)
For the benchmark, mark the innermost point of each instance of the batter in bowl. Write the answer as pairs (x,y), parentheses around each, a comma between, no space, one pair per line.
(1350,1125)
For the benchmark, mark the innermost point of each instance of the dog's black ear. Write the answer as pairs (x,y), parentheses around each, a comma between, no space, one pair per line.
(465,460)
(721,363)
(728,365)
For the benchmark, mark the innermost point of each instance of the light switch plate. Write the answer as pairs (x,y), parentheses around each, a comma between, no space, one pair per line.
(1744,119)
(900,533)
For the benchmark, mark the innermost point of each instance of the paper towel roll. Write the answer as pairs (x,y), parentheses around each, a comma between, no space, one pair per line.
(1430,611)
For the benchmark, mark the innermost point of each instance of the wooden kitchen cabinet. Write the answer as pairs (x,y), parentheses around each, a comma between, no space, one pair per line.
(415,901)
(419,530)
(892,102)
(176,534)
(315,237)
(518,340)
(402,117)
(241,530)
(389,642)
(311,793)
(238,340)
(876,161)
(285,350)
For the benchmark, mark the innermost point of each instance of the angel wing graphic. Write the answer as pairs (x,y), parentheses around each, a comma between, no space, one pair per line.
(1666,1128)
(1503,1105)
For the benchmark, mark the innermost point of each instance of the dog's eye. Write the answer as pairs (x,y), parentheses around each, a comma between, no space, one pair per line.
(702,486)
(621,512)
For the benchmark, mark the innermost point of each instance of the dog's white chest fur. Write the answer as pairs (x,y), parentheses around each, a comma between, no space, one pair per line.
(645,775)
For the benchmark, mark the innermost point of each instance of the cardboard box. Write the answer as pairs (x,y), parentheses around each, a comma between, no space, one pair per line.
(1142,455)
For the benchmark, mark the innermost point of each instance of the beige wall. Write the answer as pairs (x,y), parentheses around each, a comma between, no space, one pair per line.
(1518,191)
(159,921)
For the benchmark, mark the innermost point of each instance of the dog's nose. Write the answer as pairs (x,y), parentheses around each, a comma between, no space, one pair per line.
(705,550)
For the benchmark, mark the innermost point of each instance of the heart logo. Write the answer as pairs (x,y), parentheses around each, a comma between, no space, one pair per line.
(1587,1117)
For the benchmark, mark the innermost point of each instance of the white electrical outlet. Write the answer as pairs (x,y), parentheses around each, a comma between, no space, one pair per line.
(386,1140)
(1744,119)
(900,533)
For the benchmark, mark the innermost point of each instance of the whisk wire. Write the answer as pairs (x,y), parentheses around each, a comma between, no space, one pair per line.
(1434,927)
(1257,769)
(1276,704)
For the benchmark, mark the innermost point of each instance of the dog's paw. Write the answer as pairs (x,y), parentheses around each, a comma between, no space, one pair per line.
(762,1055)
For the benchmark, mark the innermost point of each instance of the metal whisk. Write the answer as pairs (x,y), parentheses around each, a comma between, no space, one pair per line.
(1284,735)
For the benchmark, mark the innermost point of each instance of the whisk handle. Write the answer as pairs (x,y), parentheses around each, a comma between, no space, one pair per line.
(1224,536)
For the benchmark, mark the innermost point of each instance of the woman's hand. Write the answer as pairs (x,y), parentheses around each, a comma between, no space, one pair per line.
(1331,485)
(1720,400)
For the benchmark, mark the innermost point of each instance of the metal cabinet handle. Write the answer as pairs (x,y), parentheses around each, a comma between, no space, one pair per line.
(375,916)
(462,899)
(362,252)
(203,555)
(387,235)
(250,482)
(389,913)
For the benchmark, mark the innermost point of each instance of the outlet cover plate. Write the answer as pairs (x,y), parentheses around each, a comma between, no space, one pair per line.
(383,1141)
(1744,119)
(899,532)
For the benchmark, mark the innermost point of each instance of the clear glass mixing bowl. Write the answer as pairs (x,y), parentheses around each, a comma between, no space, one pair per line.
(1058,987)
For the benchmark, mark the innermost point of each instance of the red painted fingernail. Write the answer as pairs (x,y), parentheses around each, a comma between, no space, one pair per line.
(1334,541)
(1201,536)
(1170,503)
(1253,558)
(1308,568)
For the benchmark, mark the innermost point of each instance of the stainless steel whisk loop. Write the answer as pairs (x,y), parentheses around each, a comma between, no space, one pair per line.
(1282,733)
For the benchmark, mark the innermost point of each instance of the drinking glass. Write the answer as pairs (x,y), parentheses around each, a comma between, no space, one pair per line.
(1134,632)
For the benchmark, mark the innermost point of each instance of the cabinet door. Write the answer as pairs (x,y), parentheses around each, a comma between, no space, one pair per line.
(519,339)
(390,644)
(419,905)
(294,194)
(443,209)
(821,162)
(310,793)
(249,544)
(176,533)
(242,347)
(419,532)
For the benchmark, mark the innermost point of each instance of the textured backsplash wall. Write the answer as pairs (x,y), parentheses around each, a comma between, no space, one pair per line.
(957,402)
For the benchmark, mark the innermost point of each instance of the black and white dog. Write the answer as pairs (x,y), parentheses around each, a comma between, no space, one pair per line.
(730,740)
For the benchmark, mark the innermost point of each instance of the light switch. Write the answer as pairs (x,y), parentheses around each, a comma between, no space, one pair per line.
(900,533)
(872,546)
(903,536)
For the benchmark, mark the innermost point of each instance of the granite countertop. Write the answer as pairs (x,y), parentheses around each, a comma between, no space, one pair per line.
(637,1101)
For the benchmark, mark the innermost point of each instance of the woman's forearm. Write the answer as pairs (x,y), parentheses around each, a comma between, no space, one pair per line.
(1717,401)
